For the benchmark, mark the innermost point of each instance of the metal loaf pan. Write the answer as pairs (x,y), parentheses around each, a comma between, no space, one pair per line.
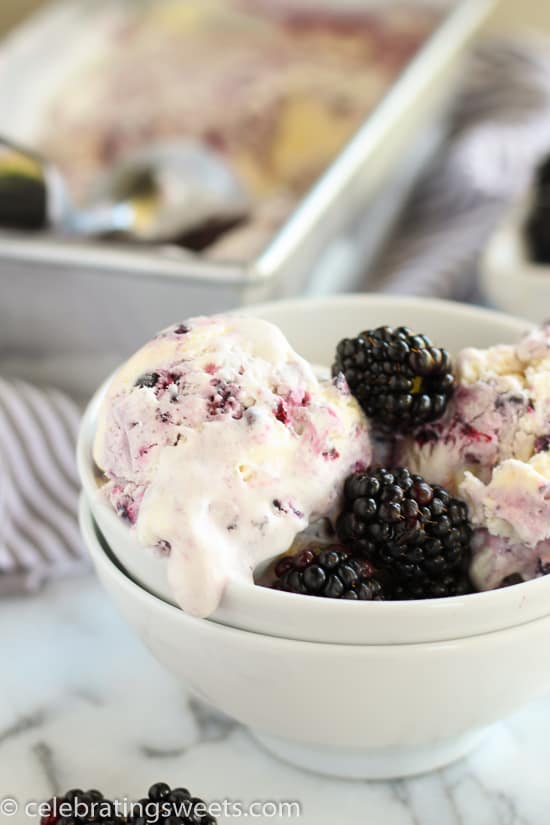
(70,310)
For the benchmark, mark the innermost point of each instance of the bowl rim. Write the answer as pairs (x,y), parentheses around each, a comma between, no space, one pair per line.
(337,610)
(102,557)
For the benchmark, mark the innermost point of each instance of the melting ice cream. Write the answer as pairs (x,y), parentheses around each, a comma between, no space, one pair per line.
(220,445)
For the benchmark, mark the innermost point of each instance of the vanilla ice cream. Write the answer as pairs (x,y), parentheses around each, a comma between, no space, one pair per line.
(492,449)
(220,445)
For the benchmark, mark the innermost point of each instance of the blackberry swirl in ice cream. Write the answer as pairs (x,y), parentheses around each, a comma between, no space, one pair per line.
(220,445)
(492,447)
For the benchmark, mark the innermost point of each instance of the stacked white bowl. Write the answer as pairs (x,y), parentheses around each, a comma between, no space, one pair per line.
(511,280)
(354,689)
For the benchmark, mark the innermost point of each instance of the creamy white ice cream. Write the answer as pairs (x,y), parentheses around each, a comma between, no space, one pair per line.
(221,445)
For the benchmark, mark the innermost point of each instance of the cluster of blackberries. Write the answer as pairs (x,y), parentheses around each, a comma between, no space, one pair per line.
(401,538)
(416,532)
(162,806)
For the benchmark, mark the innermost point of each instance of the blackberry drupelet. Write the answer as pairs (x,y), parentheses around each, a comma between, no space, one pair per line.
(399,378)
(331,572)
(159,791)
(538,222)
(415,531)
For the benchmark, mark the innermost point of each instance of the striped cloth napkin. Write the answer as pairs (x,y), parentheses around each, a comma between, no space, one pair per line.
(39,536)
(500,130)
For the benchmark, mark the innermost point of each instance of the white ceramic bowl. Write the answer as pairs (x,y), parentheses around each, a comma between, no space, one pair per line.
(314,327)
(510,280)
(362,711)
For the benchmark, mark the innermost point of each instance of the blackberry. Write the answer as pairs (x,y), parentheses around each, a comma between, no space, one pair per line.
(453,584)
(415,531)
(399,378)
(50,815)
(542,175)
(162,805)
(176,806)
(537,226)
(331,572)
(78,807)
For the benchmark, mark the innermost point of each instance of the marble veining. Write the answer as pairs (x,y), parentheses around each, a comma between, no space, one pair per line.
(83,703)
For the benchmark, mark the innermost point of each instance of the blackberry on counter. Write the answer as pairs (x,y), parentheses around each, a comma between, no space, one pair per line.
(78,807)
(332,573)
(162,806)
(399,378)
(538,221)
(415,531)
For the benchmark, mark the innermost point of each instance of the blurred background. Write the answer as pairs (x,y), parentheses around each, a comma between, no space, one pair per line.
(170,158)
(510,14)
(366,146)
(515,12)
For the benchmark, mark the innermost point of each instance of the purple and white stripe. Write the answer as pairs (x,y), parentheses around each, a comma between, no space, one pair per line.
(500,130)
(39,536)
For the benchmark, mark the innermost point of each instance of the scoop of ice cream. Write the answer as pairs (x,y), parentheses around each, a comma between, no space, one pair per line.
(481,422)
(492,449)
(221,445)
(514,508)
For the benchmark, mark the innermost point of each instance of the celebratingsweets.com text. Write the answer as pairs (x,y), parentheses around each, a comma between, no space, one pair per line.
(152,812)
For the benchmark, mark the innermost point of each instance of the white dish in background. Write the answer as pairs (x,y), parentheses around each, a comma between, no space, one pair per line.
(363,711)
(511,281)
(314,327)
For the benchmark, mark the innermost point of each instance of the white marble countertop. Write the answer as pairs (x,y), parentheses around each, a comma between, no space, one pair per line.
(82,703)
